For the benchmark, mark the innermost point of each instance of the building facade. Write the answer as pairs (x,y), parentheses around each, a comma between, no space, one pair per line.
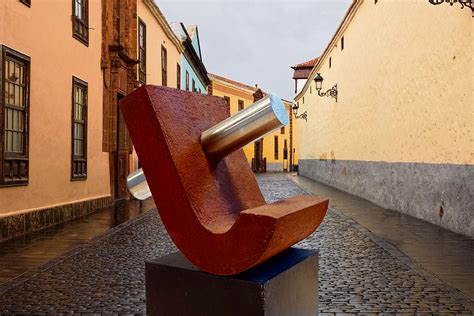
(301,72)
(401,131)
(159,52)
(52,166)
(194,75)
(277,150)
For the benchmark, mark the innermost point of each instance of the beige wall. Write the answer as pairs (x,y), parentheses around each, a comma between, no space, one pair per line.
(44,33)
(405,82)
(235,94)
(155,37)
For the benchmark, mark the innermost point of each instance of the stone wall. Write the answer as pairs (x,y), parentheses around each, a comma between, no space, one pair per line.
(28,222)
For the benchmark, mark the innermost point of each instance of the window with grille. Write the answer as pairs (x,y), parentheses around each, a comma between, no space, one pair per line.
(79,130)
(164,66)
(276,147)
(141,52)
(14,111)
(80,20)
(178,76)
(241,105)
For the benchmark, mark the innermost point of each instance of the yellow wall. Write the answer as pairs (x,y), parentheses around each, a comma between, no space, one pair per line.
(44,33)
(155,37)
(405,82)
(235,94)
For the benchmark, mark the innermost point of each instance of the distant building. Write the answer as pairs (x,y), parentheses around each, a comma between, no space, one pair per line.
(401,131)
(193,72)
(276,151)
(301,73)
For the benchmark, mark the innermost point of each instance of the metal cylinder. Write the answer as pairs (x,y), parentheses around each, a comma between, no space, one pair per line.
(138,186)
(252,123)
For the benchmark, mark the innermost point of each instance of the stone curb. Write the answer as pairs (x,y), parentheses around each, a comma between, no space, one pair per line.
(466,301)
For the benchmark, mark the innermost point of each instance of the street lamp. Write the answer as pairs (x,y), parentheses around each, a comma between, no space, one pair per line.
(463,3)
(319,85)
(303,115)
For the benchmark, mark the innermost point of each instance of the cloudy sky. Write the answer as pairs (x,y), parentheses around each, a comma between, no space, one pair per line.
(256,42)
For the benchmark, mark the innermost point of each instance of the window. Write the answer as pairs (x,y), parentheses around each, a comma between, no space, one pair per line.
(310,89)
(187,80)
(141,52)
(303,100)
(276,147)
(14,112)
(79,130)
(80,20)
(241,105)
(227,99)
(282,131)
(342,43)
(178,76)
(194,86)
(26,2)
(164,66)
(330,62)
(375,1)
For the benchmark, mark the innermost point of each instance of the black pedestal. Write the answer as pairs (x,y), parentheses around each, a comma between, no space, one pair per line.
(287,284)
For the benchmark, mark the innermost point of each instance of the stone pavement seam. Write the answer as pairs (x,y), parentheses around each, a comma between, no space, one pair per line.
(395,252)
(76,250)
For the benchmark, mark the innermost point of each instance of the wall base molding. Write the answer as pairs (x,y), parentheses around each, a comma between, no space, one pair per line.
(24,223)
(438,193)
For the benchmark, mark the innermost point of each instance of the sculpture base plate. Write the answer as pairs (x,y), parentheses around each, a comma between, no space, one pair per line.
(286,284)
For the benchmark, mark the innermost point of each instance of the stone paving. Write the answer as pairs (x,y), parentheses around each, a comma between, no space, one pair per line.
(358,273)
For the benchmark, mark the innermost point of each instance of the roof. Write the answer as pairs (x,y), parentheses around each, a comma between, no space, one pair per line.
(191,29)
(235,83)
(307,64)
(241,85)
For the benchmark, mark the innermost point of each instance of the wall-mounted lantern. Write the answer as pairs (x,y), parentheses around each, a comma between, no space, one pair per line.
(463,3)
(303,115)
(319,85)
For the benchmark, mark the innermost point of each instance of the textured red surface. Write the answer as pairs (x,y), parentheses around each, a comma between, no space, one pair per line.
(213,210)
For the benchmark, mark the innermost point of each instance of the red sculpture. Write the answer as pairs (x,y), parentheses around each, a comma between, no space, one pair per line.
(212,209)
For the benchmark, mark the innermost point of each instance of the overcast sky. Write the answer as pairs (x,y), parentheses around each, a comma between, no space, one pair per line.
(256,42)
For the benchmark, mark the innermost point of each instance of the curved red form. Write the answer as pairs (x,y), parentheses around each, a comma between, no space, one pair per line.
(213,210)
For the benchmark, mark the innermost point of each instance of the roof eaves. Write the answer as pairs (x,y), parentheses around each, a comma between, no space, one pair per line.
(342,27)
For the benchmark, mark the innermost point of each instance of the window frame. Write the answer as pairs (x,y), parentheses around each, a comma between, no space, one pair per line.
(276,147)
(82,22)
(187,80)
(82,84)
(178,76)
(164,66)
(240,105)
(9,53)
(141,67)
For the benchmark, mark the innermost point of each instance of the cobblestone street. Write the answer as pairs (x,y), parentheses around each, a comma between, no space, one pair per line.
(358,274)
